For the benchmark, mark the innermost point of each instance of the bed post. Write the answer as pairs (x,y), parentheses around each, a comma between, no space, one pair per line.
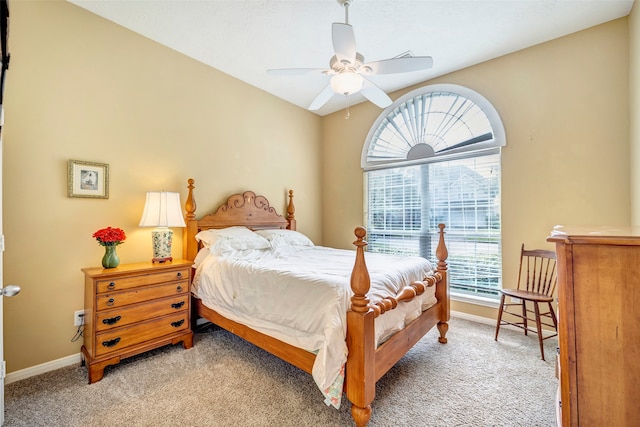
(360,372)
(189,245)
(291,213)
(442,288)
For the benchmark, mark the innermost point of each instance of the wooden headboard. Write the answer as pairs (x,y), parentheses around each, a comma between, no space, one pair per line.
(245,209)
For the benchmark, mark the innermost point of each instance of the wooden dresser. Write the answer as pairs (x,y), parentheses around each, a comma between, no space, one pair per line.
(132,309)
(599,325)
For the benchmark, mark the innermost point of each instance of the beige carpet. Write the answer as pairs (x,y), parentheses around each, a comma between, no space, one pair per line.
(224,381)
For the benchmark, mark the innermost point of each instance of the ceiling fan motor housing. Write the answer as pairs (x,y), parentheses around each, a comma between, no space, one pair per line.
(344,65)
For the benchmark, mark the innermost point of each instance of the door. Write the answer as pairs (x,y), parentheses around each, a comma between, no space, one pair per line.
(3,369)
(9,290)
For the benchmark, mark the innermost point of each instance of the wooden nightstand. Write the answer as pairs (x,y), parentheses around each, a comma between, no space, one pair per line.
(132,309)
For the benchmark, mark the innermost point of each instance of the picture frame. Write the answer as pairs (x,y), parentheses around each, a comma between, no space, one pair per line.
(87,179)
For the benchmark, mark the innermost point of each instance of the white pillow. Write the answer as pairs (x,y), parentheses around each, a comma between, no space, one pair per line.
(202,254)
(232,238)
(283,237)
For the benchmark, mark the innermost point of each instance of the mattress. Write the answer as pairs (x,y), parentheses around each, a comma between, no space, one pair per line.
(301,294)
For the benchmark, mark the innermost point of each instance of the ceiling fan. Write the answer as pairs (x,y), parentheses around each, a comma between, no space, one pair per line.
(348,70)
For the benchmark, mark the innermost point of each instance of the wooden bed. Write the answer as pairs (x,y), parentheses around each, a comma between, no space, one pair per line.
(365,363)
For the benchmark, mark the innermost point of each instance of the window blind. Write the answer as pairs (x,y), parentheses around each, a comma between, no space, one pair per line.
(405,205)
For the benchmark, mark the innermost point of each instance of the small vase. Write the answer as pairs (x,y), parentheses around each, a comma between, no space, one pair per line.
(110,258)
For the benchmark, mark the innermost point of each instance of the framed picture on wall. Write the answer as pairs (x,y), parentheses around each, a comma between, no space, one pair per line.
(88,179)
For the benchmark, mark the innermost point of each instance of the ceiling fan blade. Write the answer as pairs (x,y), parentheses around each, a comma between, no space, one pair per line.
(344,42)
(322,98)
(374,94)
(295,71)
(398,65)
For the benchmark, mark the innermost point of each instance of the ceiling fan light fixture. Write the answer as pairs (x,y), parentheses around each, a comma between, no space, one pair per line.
(347,83)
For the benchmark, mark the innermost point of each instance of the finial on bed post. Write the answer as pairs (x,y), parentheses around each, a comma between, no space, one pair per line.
(441,251)
(291,212)
(360,280)
(190,204)
(190,245)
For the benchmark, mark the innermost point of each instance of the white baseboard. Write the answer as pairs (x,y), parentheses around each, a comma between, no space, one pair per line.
(492,322)
(76,358)
(42,368)
(473,318)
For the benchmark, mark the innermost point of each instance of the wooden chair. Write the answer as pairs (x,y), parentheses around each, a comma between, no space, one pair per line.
(536,283)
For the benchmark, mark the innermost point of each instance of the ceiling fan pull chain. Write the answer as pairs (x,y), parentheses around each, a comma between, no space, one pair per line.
(346,106)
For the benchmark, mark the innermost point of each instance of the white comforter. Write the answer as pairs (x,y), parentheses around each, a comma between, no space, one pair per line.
(300,295)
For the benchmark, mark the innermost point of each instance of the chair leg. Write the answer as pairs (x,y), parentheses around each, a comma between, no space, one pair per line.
(539,328)
(524,317)
(499,316)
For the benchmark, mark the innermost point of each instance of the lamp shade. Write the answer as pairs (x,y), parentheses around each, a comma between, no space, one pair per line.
(162,209)
(346,83)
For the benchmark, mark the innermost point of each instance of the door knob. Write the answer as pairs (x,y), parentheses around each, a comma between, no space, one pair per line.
(10,290)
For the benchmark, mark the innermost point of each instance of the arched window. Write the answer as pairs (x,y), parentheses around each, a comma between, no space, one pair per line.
(433,157)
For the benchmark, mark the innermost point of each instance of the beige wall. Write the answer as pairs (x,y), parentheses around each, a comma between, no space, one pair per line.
(634,111)
(80,87)
(565,109)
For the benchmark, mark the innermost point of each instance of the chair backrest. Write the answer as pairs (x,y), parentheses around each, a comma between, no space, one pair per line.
(537,271)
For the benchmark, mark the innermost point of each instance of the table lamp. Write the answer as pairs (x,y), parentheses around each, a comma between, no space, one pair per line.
(162,210)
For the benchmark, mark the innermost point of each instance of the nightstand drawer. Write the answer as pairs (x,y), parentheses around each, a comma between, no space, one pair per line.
(146,293)
(121,338)
(122,283)
(110,319)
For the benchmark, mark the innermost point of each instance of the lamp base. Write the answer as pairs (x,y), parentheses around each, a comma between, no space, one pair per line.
(161,238)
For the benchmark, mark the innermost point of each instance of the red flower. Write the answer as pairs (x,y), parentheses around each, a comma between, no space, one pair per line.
(109,236)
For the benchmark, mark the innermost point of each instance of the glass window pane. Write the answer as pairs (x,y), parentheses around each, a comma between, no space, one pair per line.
(430,124)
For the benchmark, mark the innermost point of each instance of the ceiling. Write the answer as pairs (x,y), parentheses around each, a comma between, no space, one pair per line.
(245,38)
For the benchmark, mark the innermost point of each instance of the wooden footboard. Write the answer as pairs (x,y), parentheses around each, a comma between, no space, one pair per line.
(365,363)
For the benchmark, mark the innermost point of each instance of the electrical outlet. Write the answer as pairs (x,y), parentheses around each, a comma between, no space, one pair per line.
(78,318)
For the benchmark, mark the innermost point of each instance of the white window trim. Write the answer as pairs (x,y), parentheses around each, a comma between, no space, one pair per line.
(499,136)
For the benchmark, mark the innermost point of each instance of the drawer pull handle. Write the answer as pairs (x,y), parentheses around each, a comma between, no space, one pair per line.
(112,320)
(179,288)
(177,305)
(110,302)
(178,323)
(112,285)
(111,343)
(179,275)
